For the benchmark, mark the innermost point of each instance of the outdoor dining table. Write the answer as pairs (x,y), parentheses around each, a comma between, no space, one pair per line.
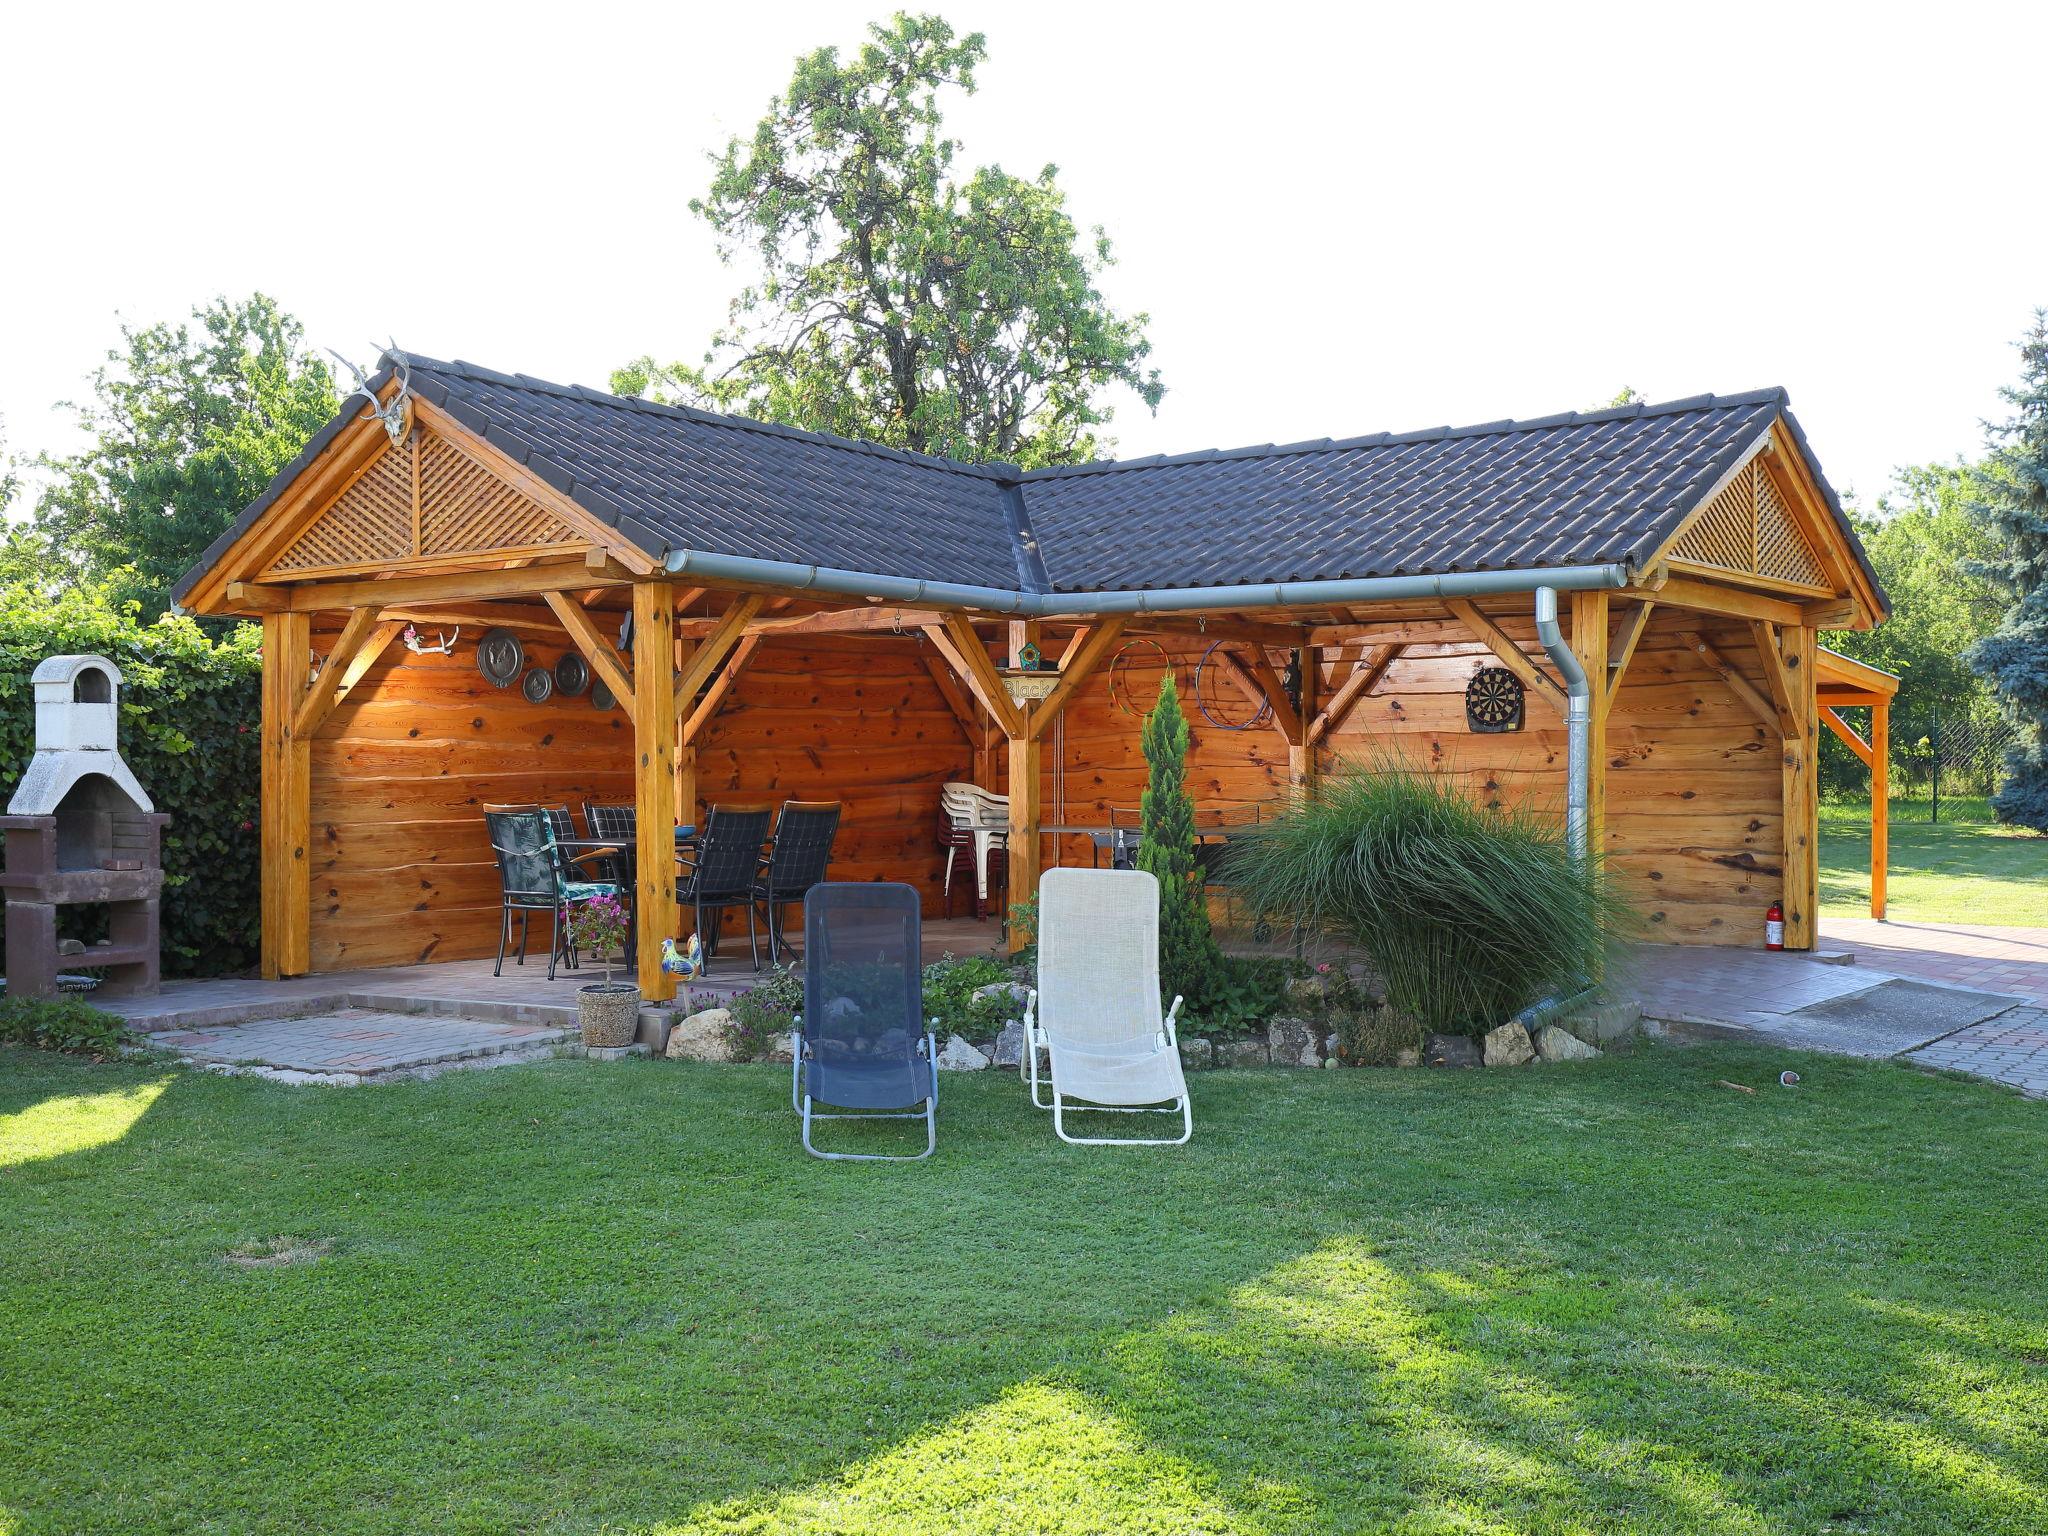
(1121,842)
(622,852)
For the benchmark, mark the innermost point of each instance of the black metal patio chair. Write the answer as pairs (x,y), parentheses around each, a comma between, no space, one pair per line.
(862,1045)
(720,871)
(804,833)
(532,878)
(607,820)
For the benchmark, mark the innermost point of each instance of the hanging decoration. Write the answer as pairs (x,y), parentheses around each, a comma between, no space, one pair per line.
(443,643)
(1221,720)
(1493,701)
(1122,688)
(500,657)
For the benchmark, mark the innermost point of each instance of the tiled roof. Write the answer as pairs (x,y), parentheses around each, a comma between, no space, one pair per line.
(1581,488)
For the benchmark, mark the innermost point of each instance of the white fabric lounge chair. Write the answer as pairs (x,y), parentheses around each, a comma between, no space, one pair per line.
(1096,1012)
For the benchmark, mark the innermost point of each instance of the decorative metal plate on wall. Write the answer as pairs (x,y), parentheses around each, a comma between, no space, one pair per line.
(1493,701)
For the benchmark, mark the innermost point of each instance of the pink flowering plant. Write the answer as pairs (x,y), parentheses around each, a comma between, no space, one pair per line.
(598,927)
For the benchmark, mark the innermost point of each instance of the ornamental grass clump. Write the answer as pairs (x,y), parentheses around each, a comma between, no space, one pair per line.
(1468,912)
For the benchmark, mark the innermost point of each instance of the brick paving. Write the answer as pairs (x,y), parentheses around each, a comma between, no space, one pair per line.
(2013,961)
(355,1041)
(2011,1048)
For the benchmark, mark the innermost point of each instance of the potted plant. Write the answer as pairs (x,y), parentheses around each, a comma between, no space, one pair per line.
(607,1011)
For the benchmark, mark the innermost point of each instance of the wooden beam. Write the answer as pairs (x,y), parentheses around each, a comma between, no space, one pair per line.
(1802,793)
(445,586)
(1621,649)
(319,699)
(1027,759)
(1511,655)
(1698,596)
(1076,666)
(1301,749)
(1777,682)
(1365,676)
(1074,641)
(1848,736)
(973,723)
(1590,646)
(710,655)
(1880,804)
(714,697)
(964,649)
(1739,685)
(654,788)
(596,649)
(366,657)
(285,945)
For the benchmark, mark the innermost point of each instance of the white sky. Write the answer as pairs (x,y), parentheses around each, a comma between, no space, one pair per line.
(1341,220)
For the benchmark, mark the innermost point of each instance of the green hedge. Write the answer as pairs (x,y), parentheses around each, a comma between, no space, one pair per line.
(191,717)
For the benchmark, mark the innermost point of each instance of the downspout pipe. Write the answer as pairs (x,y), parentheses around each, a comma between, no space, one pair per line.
(1578,718)
(789,575)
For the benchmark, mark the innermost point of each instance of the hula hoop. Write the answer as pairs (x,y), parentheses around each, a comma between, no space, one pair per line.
(1259,717)
(1120,664)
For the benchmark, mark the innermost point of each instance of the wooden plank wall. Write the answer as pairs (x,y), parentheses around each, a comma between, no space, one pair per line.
(402,871)
(1694,823)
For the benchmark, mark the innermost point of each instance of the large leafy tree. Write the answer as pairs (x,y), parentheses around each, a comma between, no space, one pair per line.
(2014,506)
(892,299)
(188,422)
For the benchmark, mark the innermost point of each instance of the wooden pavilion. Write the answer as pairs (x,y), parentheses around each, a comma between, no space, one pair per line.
(780,613)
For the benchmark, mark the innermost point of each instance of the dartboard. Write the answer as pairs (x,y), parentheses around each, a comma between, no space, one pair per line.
(1493,701)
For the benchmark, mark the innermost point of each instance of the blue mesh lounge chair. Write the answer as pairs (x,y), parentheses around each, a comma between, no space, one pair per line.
(861,1045)
(534,878)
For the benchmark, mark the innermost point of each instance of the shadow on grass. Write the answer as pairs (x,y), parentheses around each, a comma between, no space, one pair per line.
(577,1298)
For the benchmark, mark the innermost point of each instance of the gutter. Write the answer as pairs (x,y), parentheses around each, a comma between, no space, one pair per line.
(1287,594)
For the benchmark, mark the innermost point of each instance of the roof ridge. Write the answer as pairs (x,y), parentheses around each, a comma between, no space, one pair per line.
(1501,428)
(1005,474)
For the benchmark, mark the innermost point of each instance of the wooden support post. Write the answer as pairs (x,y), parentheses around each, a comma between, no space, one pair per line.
(1027,756)
(1301,746)
(285,946)
(1880,803)
(1794,660)
(686,744)
(654,786)
(1589,644)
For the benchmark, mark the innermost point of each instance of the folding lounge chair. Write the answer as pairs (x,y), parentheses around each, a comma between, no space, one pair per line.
(1096,1012)
(861,1045)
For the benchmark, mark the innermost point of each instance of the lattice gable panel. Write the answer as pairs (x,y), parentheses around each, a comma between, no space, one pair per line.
(423,499)
(1750,530)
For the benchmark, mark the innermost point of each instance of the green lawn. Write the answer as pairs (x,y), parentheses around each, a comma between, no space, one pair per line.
(583,1298)
(1964,869)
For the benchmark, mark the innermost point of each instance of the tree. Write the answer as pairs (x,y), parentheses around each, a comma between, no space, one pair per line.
(188,425)
(1189,960)
(892,301)
(2013,505)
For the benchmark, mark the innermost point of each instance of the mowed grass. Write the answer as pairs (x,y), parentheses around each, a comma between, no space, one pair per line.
(1963,869)
(1614,1297)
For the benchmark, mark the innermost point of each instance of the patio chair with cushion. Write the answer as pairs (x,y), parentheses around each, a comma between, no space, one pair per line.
(1096,1014)
(534,877)
(862,1045)
(612,821)
(721,870)
(802,849)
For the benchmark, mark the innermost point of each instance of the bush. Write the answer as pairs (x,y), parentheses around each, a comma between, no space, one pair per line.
(765,1014)
(1468,913)
(1241,993)
(1374,1036)
(62,1024)
(1190,964)
(950,983)
(191,728)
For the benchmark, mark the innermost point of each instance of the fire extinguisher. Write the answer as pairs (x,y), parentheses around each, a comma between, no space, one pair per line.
(1774,927)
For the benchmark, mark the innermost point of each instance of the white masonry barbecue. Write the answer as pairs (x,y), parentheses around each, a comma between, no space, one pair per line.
(81,830)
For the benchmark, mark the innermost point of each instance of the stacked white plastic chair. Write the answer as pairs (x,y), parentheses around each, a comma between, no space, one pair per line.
(984,814)
(1096,1015)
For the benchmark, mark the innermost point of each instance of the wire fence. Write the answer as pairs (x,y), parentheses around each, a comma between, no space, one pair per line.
(1960,755)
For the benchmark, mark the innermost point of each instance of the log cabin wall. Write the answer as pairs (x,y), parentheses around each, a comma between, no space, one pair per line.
(1695,825)
(401,869)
